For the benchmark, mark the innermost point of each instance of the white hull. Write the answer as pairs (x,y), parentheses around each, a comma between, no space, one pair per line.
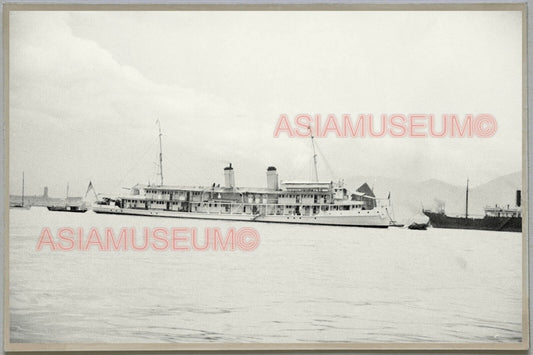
(365,219)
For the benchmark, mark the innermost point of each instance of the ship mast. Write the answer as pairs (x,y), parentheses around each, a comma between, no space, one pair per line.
(314,153)
(22,204)
(466,214)
(66,200)
(160,152)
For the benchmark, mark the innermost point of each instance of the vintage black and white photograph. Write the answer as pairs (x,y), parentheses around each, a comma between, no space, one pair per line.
(267,176)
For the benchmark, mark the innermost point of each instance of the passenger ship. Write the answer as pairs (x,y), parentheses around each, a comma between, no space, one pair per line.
(325,203)
(305,202)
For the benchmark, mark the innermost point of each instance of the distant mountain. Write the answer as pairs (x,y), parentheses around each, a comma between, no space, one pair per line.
(501,191)
(408,197)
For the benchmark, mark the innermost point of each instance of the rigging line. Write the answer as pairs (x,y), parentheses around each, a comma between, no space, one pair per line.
(202,170)
(187,177)
(388,214)
(333,175)
(138,161)
(313,169)
(303,167)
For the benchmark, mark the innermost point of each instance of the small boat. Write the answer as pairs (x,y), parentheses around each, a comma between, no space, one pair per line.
(69,207)
(418,226)
(418,222)
(20,205)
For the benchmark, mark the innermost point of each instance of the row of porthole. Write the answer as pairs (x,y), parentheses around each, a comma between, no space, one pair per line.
(287,217)
(367,212)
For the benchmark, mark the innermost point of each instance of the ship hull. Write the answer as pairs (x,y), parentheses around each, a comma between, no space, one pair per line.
(371,221)
(66,209)
(504,224)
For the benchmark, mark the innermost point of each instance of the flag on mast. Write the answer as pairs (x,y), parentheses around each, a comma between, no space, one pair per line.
(89,188)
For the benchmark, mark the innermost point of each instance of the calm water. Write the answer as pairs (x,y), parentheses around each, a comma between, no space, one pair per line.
(302,284)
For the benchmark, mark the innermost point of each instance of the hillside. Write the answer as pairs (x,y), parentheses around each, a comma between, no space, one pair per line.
(408,197)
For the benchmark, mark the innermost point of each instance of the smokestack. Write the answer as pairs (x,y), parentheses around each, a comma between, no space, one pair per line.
(45,192)
(229,177)
(272,178)
(518,198)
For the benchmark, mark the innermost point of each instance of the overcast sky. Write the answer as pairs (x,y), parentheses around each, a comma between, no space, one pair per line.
(87,87)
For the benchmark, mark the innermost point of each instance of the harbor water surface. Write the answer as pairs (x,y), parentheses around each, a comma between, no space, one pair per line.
(301,284)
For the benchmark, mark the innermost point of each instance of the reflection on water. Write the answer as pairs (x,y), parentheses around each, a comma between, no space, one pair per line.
(302,284)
